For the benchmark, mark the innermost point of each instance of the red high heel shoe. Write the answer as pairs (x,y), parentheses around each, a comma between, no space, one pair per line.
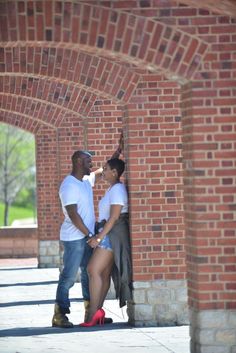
(107,320)
(98,317)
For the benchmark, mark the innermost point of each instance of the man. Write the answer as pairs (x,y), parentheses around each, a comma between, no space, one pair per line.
(77,204)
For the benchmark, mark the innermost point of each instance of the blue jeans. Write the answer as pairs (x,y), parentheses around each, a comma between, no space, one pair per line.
(72,259)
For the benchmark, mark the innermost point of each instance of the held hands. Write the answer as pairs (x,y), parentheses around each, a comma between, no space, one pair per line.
(93,242)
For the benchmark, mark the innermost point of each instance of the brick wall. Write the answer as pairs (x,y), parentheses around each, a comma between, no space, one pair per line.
(156,187)
(18,242)
(74,74)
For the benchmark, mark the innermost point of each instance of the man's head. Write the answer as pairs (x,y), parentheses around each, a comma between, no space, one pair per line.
(82,161)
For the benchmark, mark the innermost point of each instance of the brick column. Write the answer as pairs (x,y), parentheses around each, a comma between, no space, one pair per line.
(209,135)
(156,204)
(48,207)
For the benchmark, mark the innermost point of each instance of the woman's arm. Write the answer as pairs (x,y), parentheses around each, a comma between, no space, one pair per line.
(115,211)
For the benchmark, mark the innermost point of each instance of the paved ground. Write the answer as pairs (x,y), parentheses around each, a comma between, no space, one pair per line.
(26,307)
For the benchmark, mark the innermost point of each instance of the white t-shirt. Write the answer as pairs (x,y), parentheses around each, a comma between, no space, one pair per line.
(73,191)
(115,195)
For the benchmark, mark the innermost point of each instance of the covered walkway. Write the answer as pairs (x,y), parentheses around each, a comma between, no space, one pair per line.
(26,306)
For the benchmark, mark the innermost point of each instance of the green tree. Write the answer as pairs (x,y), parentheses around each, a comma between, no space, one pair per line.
(17,165)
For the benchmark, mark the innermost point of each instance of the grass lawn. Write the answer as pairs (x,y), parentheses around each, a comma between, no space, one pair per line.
(15,213)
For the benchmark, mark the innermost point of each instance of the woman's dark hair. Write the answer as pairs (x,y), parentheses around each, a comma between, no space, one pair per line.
(117,164)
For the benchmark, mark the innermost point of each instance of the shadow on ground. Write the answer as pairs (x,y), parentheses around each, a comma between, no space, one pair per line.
(36,331)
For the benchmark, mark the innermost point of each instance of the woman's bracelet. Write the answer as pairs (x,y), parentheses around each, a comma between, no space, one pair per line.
(98,239)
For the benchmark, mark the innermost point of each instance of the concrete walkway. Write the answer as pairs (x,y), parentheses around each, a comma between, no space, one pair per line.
(26,307)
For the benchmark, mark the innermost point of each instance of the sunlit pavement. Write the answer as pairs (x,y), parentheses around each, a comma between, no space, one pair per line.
(26,307)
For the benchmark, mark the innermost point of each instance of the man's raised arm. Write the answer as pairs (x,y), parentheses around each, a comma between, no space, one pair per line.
(116,154)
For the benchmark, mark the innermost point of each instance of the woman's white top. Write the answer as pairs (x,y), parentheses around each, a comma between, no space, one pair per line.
(115,195)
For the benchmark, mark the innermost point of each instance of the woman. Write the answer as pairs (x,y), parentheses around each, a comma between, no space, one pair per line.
(111,245)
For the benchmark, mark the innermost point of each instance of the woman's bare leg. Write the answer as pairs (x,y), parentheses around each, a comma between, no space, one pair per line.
(100,262)
(106,283)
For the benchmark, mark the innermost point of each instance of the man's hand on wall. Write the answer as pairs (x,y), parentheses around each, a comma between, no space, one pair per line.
(120,147)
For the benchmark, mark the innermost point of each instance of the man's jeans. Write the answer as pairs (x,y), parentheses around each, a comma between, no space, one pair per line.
(74,252)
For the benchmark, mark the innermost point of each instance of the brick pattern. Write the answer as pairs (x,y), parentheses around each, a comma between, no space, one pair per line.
(21,121)
(227,7)
(47,177)
(42,111)
(155,180)
(209,134)
(74,73)
(18,242)
(138,40)
(103,132)
(63,76)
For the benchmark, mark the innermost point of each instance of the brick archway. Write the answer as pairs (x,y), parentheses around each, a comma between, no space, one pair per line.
(105,32)
(53,77)
(73,73)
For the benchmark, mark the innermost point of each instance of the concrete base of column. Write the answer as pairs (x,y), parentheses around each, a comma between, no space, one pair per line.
(213,331)
(49,254)
(159,303)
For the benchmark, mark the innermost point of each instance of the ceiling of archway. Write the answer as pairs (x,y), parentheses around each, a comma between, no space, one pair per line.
(45,78)
(226,7)
(223,7)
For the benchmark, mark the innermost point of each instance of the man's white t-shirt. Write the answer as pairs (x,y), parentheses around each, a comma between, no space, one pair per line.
(115,195)
(73,191)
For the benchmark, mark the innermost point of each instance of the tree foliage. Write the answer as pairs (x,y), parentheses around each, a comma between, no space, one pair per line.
(17,164)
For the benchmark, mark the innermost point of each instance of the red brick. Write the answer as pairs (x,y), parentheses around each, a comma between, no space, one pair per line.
(83,93)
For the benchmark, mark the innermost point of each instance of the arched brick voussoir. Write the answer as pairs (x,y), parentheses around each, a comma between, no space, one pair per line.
(68,65)
(136,39)
(69,96)
(43,112)
(21,121)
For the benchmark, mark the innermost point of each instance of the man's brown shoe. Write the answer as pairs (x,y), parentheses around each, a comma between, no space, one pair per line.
(59,319)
